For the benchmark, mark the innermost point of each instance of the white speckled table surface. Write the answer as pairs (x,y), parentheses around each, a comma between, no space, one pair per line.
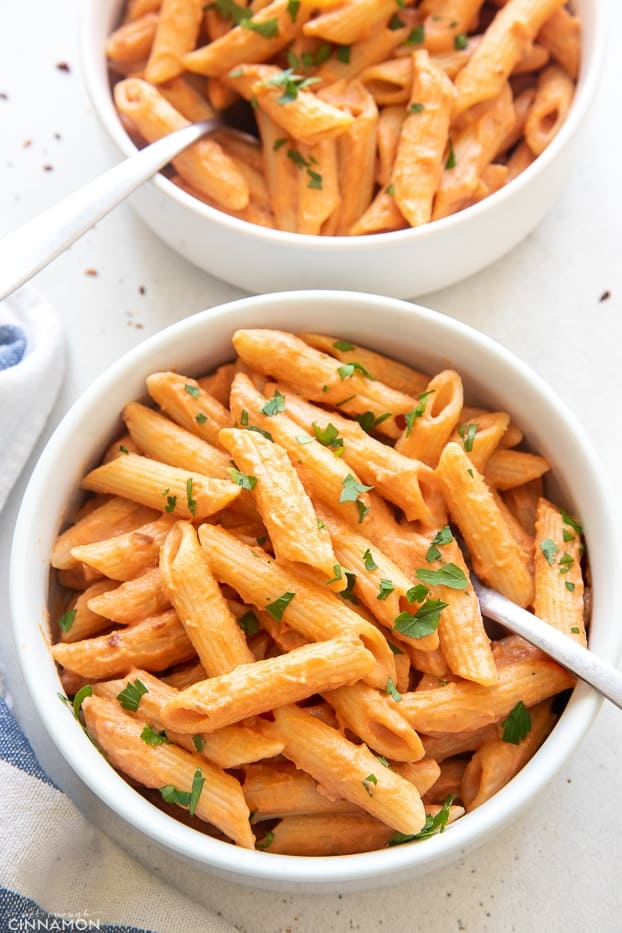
(556,301)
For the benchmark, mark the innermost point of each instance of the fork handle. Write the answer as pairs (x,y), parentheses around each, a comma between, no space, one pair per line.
(585,664)
(32,246)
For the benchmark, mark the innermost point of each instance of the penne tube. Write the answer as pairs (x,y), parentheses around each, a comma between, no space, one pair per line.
(389,82)
(220,802)
(281,498)
(519,160)
(505,42)
(464,706)
(496,762)
(320,377)
(181,493)
(161,439)
(183,400)
(451,19)
(114,517)
(177,32)
(350,21)
(408,483)
(202,609)
(522,106)
(230,747)
(275,790)
(482,435)
(204,165)
(154,644)
(280,173)
(131,601)
(321,472)
(447,744)
(137,8)
(513,435)
(375,718)
(257,39)
(495,554)
(349,771)
(448,783)
(185,98)
(390,121)
(131,43)
(522,501)
(218,384)
(251,689)
(329,834)
(434,419)
(79,577)
(382,216)
(419,160)
(423,773)
(394,374)
(508,468)
(558,595)
(376,47)
(561,35)
(80,621)
(554,94)
(128,555)
(314,611)
(318,185)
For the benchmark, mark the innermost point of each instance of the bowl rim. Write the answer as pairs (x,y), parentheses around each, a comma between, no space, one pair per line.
(222,857)
(98,89)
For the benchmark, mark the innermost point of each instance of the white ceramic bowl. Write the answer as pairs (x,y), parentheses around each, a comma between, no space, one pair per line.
(411,333)
(403,263)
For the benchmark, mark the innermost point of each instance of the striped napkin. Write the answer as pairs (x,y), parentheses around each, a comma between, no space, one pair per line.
(58,872)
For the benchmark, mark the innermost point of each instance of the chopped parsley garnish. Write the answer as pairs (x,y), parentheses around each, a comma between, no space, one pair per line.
(444,536)
(565,563)
(518,724)
(386,588)
(199,742)
(423,622)
(567,535)
(368,420)
(433,825)
(267,841)
(344,401)
(192,390)
(192,503)
(130,696)
(67,619)
(315,179)
(451,156)
(249,623)
(291,84)
(417,593)
(369,783)
(348,370)
(343,345)
(278,607)
(328,436)
(570,587)
(297,158)
(152,737)
(266,434)
(304,439)
(568,520)
(390,190)
(394,648)
(362,509)
(395,22)
(261,540)
(81,695)
(244,418)
(383,761)
(416,107)
(242,479)
(392,690)
(411,416)
(461,41)
(348,593)
(123,449)
(338,575)
(292,8)
(575,630)
(201,418)
(467,432)
(184,798)
(351,489)
(549,549)
(416,35)
(449,575)
(269,28)
(275,405)
(343,54)
(171,501)
(370,563)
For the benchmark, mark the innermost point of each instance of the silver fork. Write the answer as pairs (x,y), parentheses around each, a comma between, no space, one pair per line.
(32,246)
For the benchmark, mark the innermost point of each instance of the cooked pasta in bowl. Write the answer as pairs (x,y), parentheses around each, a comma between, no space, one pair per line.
(363,143)
(262,646)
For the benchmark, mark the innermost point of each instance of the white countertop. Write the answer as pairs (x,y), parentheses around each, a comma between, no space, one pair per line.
(560,867)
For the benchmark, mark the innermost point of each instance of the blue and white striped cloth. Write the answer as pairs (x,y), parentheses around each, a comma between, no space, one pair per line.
(57,871)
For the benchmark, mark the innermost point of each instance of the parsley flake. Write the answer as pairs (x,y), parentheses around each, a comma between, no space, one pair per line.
(568,520)
(201,418)
(461,41)
(192,390)
(242,479)
(171,502)
(315,179)
(517,726)
(368,420)
(348,593)
(565,563)
(123,449)
(328,436)
(152,737)
(278,607)
(370,563)
(266,842)
(433,825)
(192,503)
(449,575)
(81,695)
(444,536)
(269,28)
(395,22)
(369,783)
(244,418)
(416,107)
(411,416)
(451,156)
(249,623)
(392,691)
(291,84)
(416,35)
(348,369)
(343,54)
(184,798)
(292,8)
(467,432)
(275,405)
(549,549)
(351,489)
(130,696)
(570,587)
(199,742)
(386,588)
(417,593)
(266,434)
(575,630)
(423,622)
(67,619)
(343,345)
